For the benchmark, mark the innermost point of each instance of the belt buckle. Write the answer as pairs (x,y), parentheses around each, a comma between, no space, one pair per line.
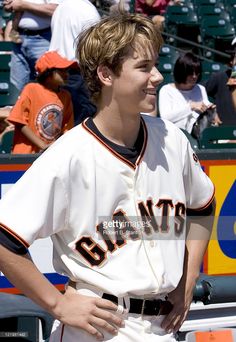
(157,306)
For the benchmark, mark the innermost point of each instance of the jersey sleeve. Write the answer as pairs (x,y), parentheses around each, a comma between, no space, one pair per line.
(36,206)
(199,188)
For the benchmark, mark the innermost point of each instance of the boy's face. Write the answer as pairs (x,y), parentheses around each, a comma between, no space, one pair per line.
(135,87)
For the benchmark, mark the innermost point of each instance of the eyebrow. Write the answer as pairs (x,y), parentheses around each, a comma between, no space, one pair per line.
(144,60)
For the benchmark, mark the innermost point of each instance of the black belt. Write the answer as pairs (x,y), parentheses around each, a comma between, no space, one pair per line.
(28,32)
(153,307)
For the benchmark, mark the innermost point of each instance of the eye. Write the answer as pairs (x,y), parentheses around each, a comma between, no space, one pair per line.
(143,66)
(147,67)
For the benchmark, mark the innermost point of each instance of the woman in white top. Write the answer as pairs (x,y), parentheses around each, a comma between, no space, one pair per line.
(184,100)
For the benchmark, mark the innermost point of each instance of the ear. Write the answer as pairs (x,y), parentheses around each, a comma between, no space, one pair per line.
(105,75)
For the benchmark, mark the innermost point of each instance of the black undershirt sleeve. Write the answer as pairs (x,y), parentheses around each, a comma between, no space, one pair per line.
(11,243)
(204,212)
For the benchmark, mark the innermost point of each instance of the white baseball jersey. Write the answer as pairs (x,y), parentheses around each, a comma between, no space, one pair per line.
(116,225)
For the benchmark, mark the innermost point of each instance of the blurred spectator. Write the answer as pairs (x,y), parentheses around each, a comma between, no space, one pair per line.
(14,35)
(113,5)
(68,21)
(35,34)
(155,9)
(222,88)
(44,110)
(7,31)
(184,100)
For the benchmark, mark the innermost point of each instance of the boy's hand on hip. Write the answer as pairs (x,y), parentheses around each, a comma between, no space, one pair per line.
(181,298)
(91,314)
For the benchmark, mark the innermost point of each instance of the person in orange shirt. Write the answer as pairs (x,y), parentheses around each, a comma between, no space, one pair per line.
(43,110)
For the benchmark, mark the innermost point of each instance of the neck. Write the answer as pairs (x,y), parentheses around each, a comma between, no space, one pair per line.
(183,86)
(120,129)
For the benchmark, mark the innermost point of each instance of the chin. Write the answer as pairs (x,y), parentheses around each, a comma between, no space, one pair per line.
(148,109)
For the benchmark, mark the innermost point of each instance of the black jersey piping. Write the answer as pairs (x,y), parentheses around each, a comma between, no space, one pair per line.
(16,236)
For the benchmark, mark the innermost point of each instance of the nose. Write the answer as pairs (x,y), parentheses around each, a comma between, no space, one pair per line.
(195,76)
(156,76)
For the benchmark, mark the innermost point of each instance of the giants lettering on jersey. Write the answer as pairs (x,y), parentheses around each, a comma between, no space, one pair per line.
(117,231)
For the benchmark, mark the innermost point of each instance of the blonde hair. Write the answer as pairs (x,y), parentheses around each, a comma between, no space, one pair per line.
(108,42)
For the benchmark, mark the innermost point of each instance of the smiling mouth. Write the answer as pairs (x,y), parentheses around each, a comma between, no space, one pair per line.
(150,91)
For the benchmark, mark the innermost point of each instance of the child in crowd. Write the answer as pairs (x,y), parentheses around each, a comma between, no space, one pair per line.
(44,110)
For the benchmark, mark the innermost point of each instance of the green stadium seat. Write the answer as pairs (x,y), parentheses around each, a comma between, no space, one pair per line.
(165,65)
(181,21)
(6,47)
(4,87)
(209,67)
(200,3)
(167,78)
(166,62)
(229,3)
(8,94)
(217,33)
(205,12)
(2,23)
(188,3)
(168,51)
(193,142)
(218,137)
(177,14)
(5,60)
(4,14)
(233,15)
(4,77)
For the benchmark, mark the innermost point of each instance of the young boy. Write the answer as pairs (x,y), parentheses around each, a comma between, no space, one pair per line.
(44,110)
(112,193)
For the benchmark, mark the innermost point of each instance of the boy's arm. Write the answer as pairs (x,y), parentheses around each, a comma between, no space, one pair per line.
(73,309)
(196,244)
(38,9)
(33,138)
